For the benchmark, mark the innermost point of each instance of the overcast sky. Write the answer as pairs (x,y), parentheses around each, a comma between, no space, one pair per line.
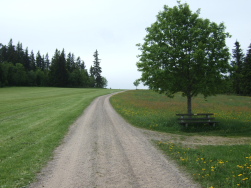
(113,27)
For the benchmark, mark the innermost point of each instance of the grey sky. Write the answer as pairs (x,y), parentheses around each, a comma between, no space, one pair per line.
(113,27)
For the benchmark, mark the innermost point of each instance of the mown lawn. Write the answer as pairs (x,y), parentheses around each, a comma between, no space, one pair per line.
(33,121)
(212,166)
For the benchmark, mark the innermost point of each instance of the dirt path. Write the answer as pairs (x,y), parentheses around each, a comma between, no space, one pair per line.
(102,150)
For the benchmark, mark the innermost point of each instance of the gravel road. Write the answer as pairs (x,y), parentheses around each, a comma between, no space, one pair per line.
(103,150)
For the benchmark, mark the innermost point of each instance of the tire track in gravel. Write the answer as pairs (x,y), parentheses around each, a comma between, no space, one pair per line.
(103,150)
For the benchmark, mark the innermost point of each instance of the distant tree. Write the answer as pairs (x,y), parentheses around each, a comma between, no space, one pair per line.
(19,53)
(39,61)
(32,61)
(91,78)
(54,68)
(68,64)
(27,64)
(47,62)
(82,65)
(97,70)
(11,52)
(78,63)
(85,78)
(5,73)
(247,73)
(184,53)
(3,53)
(237,68)
(58,73)
(136,83)
(104,82)
(31,78)
(18,75)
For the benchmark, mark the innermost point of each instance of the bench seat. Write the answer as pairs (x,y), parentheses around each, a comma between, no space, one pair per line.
(201,118)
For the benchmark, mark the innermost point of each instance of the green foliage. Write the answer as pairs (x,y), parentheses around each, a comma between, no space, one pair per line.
(136,83)
(214,166)
(149,110)
(33,122)
(183,53)
(246,84)
(96,70)
(62,71)
(237,68)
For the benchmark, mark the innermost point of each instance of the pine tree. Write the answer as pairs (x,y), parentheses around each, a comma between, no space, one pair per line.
(58,73)
(237,68)
(39,61)
(91,78)
(247,73)
(32,61)
(19,53)
(27,60)
(47,62)
(3,53)
(78,62)
(11,52)
(97,70)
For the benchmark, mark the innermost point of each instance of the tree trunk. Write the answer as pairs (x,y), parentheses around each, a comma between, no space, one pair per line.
(189,104)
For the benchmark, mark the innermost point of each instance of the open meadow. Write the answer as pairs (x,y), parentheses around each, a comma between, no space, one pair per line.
(33,122)
(225,165)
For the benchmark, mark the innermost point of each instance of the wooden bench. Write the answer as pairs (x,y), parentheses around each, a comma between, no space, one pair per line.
(203,118)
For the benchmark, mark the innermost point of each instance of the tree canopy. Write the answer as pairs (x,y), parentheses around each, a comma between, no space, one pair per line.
(19,68)
(183,53)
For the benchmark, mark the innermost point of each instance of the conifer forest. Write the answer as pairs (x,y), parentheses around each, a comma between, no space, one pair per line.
(19,67)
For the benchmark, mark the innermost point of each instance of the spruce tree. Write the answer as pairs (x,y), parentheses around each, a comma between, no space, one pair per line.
(97,70)
(11,52)
(32,61)
(47,62)
(58,73)
(53,68)
(78,63)
(3,53)
(27,60)
(247,73)
(39,61)
(19,53)
(237,68)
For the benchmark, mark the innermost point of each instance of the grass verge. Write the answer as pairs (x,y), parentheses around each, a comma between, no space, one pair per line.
(33,122)
(214,166)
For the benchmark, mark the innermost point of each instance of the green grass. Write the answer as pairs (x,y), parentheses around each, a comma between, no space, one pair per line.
(212,166)
(33,122)
(147,109)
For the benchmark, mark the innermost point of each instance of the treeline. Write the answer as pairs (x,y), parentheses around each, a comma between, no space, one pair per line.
(18,67)
(239,79)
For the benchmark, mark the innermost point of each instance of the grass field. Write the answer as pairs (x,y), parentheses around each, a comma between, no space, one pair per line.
(212,166)
(33,121)
(147,109)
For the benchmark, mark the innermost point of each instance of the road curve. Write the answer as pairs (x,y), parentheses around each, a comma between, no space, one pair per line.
(103,150)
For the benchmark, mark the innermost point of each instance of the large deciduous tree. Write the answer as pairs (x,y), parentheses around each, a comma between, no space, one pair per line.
(183,53)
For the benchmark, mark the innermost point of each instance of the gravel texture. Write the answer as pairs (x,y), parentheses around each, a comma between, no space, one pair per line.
(103,150)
